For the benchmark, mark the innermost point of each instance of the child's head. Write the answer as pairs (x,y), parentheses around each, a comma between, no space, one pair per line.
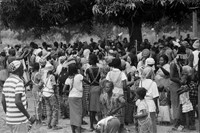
(186,74)
(109,86)
(141,93)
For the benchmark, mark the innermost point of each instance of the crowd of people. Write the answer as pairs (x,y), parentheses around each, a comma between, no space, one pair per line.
(109,81)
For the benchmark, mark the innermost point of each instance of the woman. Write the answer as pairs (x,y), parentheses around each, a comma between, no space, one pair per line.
(175,77)
(119,80)
(93,75)
(74,86)
(162,75)
(151,95)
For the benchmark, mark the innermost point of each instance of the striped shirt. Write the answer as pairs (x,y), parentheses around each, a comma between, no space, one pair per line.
(12,86)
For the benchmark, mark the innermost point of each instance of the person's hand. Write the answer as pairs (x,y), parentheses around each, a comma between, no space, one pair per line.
(32,119)
(157,110)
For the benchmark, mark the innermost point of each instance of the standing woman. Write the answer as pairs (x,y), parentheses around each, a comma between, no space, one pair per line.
(162,75)
(74,86)
(119,80)
(175,77)
(93,75)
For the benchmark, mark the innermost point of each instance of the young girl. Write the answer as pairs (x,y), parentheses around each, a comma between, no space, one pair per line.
(74,85)
(185,102)
(144,120)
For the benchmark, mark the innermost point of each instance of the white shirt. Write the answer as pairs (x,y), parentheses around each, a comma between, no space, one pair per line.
(59,69)
(152,92)
(141,105)
(160,74)
(117,76)
(77,89)
(196,59)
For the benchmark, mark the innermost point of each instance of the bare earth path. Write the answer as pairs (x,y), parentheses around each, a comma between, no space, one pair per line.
(66,124)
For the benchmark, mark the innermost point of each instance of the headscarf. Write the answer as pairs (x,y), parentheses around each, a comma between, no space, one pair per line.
(148,73)
(196,44)
(145,53)
(70,60)
(37,51)
(150,61)
(187,69)
(86,53)
(42,62)
(14,66)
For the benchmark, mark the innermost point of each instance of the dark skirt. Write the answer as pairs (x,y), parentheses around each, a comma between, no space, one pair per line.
(95,92)
(75,106)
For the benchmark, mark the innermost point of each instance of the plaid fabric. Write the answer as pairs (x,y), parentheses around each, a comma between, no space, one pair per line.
(193,92)
(44,111)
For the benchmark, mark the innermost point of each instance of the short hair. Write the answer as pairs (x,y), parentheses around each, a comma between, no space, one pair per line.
(93,59)
(72,69)
(141,92)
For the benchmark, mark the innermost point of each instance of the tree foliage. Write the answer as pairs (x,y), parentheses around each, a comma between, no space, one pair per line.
(44,14)
(133,13)
(123,12)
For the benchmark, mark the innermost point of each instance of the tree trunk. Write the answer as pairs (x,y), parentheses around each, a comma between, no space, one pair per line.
(135,33)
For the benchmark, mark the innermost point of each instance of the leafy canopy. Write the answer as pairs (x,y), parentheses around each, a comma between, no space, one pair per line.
(124,12)
(33,14)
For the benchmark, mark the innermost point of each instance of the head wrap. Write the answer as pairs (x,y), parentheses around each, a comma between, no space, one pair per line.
(150,61)
(176,43)
(62,59)
(37,51)
(86,53)
(145,53)
(13,66)
(187,70)
(70,60)
(42,62)
(148,73)
(196,44)
(84,61)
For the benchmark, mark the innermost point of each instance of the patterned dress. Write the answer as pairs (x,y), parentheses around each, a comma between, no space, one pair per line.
(111,103)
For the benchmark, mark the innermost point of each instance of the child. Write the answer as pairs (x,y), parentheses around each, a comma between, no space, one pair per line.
(183,92)
(144,120)
(164,109)
(51,101)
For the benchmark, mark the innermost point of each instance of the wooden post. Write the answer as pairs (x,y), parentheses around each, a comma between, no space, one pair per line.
(136,46)
(195,23)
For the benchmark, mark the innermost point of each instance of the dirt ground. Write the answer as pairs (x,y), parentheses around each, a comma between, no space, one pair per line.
(65,124)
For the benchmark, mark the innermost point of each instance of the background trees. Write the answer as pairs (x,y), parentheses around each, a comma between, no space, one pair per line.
(133,13)
(41,15)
